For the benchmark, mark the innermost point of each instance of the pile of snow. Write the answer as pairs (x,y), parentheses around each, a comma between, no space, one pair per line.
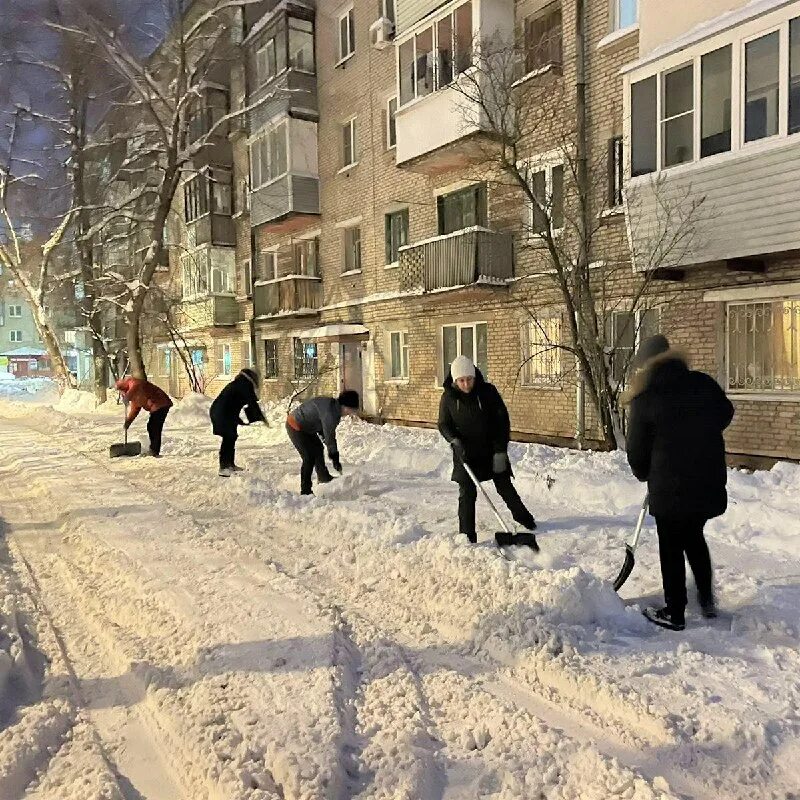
(7,376)
(191,411)
(25,388)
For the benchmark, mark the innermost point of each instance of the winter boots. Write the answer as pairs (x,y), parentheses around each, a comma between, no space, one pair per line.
(665,618)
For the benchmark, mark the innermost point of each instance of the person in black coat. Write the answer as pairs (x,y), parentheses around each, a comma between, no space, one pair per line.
(474,419)
(675,443)
(225,413)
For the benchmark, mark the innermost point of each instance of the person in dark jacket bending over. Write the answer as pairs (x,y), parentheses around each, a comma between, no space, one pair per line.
(225,414)
(675,443)
(313,423)
(473,418)
(141,394)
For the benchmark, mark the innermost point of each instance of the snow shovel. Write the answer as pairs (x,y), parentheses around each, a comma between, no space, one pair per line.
(125,449)
(505,537)
(630,547)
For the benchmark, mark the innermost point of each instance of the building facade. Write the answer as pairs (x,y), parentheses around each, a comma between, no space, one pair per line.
(355,228)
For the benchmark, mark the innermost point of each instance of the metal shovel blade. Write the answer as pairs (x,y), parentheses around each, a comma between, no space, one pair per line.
(627,568)
(125,449)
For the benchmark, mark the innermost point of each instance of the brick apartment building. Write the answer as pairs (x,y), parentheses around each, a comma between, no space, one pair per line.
(350,231)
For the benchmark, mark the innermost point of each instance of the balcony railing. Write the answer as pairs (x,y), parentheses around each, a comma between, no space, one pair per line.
(213,309)
(295,294)
(474,255)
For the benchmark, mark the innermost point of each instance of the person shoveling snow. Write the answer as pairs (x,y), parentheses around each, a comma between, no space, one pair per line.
(474,420)
(225,413)
(675,443)
(141,394)
(315,422)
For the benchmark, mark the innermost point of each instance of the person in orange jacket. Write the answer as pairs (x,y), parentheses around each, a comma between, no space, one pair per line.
(141,394)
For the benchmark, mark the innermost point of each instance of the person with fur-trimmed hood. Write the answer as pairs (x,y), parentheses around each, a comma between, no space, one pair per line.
(675,443)
(474,420)
(312,424)
(225,413)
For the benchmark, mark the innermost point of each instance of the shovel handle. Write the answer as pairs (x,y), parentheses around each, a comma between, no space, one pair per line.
(486,495)
(634,541)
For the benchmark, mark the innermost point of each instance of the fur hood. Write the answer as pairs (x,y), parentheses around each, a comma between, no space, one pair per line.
(641,378)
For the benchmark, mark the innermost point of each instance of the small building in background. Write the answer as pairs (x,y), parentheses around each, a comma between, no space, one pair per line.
(28,362)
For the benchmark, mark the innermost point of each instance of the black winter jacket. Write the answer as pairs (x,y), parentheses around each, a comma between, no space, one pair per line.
(227,406)
(675,441)
(480,420)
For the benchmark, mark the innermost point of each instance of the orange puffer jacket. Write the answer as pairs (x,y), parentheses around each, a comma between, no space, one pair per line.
(142,394)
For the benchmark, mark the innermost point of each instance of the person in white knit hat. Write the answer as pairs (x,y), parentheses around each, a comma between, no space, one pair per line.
(474,419)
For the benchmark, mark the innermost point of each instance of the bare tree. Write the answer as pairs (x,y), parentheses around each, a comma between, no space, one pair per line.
(151,123)
(515,95)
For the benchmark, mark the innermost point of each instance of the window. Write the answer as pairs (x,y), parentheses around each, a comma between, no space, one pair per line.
(202,276)
(349,150)
(347,35)
(199,357)
(306,257)
(247,278)
(164,362)
(301,45)
(271,59)
(306,364)
(435,55)
(543,38)
(15,311)
(271,358)
(465,208)
(352,249)
(398,355)
(541,354)
(794,76)
(396,234)
(225,363)
(270,271)
(677,116)
(547,186)
(268,157)
(465,340)
(715,102)
(616,171)
(643,127)
(206,113)
(386,9)
(625,13)
(624,330)
(15,336)
(761,76)
(764,346)
(247,354)
(391,123)
(209,191)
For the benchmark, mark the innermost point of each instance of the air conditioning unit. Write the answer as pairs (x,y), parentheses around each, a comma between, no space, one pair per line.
(381,32)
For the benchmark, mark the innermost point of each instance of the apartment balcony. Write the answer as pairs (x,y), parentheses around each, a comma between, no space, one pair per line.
(217,230)
(476,256)
(441,122)
(294,295)
(212,310)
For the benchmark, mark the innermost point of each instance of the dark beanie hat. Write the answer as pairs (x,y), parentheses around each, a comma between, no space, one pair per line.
(650,348)
(349,398)
(251,374)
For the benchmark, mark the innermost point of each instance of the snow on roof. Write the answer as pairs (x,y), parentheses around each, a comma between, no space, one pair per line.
(707,29)
(22,352)
(334,331)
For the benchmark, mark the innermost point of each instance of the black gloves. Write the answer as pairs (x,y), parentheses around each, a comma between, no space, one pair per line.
(458,449)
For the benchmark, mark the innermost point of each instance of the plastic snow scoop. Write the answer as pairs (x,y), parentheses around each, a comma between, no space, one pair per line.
(505,537)
(630,547)
(125,448)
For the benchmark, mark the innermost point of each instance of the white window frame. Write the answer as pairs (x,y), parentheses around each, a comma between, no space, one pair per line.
(15,336)
(405,357)
(737,37)
(459,326)
(774,394)
(545,163)
(226,371)
(257,162)
(15,311)
(693,64)
(352,124)
(351,45)
(391,123)
(616,16)
(552,351)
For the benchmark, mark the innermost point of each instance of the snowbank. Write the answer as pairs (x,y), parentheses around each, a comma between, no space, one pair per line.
(191,411)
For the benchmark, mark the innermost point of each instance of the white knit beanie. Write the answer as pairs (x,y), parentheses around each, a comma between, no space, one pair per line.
(462,367)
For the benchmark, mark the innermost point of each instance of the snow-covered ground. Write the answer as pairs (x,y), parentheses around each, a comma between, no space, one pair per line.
(167,634)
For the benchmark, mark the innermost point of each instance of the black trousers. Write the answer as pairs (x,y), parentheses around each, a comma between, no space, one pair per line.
(678,536)
(227,450)
(313,457)
(155,425)
(468,494)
